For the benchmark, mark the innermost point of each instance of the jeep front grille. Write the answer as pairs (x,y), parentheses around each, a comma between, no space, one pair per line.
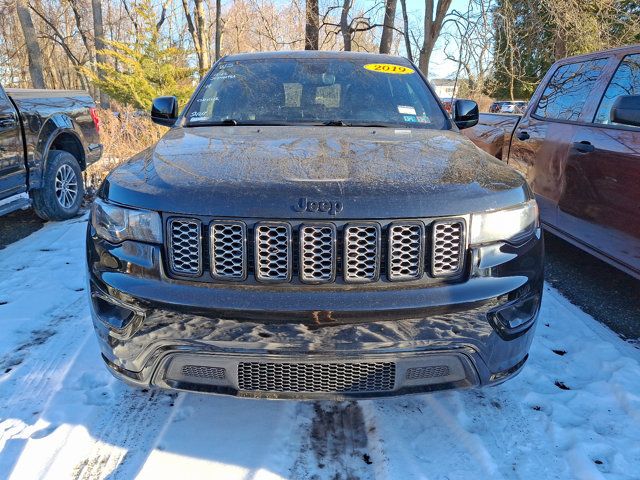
(325,252)
(185,254)
(317,377)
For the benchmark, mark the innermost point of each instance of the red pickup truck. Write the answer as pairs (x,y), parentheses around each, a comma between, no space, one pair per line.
(578,144)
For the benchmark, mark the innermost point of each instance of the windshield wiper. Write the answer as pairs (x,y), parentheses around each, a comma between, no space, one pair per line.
(336,123)
(342,123)
(215,123)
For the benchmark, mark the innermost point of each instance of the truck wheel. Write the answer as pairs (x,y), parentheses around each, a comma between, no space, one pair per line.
(62,189)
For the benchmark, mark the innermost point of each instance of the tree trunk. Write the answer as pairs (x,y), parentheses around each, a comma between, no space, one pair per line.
(78,18)
(312,26)
(345,28)
(432,27)
(405,22)
(386,39)
(559,46)
(218,28)
(34,53)
(98,34)
(203,35)
(198,35)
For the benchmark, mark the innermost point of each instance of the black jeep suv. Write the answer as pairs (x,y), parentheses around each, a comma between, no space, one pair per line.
(313,225)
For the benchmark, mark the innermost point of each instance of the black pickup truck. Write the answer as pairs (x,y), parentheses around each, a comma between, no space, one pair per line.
(47,138)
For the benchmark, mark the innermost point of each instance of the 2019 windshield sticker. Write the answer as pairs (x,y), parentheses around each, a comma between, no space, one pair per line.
(389,68)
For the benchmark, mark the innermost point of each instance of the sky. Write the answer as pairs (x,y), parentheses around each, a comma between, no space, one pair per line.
(439,67)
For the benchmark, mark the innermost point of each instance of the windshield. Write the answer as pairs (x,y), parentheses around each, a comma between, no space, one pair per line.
(284,91)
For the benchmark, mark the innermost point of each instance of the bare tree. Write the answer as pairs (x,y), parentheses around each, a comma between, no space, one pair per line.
(199,33)
(34,54)
(98,33)
(386,39)
(312,27)
(218,28)
(405,32)
(432,29)
(469,43)
(345,25)
(350,26)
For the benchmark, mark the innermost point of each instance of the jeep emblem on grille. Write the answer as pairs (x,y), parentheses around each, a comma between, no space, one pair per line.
(323,206)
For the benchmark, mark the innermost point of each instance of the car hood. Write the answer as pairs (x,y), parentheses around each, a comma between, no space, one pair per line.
(359,173)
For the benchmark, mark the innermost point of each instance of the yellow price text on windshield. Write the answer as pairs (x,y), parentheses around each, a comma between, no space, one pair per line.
(389,68)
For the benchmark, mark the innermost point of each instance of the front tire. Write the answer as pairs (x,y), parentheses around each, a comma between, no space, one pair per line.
(62,189)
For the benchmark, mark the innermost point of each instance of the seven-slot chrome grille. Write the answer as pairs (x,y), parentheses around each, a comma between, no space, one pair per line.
(318,252)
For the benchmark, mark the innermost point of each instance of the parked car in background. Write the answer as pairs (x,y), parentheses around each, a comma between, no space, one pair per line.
(578,144)
(507,106)
(314,225)
(47,138)
(513,107)
(447,103)
(495,107)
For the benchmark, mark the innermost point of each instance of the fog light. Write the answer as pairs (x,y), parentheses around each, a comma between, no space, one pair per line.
(121,320)
(513,318)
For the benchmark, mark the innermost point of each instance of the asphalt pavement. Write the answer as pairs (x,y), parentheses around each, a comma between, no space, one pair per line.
(604,292)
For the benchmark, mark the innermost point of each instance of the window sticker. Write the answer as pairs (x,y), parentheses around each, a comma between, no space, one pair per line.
(423,119)
(389,68)
(405,110)
(223,76)
(410,118)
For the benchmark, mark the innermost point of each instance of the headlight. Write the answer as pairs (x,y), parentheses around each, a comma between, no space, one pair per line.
(510,225)
(116,224)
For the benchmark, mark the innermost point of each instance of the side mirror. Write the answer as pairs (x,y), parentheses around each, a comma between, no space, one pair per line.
(465,113)
(626,110)
(164,111)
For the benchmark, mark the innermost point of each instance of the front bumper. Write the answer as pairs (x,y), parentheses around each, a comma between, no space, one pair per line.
(325,341)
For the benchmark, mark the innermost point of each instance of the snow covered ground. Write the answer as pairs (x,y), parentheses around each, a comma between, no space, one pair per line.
(573,412)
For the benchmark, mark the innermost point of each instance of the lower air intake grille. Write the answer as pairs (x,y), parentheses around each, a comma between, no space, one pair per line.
(184,246)
(418,373)
(448,245)
(200,371)
(317,377)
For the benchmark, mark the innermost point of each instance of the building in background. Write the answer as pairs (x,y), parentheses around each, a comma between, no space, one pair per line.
(445,87)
